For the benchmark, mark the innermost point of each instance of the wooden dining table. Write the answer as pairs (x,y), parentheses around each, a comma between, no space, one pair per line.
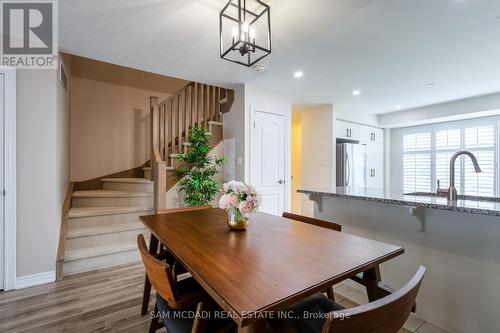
(274,263)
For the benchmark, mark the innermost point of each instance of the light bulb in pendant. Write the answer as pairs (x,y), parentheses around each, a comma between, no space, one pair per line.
(245,27)
(252,33)
(234,32)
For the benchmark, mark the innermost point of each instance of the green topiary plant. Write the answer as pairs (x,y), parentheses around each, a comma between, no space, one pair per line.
(198,170)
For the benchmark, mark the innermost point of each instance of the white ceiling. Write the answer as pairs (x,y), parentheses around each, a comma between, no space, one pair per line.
(388,49)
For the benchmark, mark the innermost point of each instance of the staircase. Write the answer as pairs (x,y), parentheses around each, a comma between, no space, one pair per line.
(101,226)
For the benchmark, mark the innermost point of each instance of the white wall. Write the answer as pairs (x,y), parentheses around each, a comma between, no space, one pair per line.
(318,151)
(356,117)
(38,183)
(237,122)
(474,107)
(395,162)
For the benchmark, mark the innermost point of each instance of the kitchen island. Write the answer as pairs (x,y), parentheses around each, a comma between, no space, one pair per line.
(458,242)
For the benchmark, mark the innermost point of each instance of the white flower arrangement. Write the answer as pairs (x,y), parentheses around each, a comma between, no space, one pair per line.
(238,195)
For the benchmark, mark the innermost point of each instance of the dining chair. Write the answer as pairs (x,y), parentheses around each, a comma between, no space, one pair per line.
(320,223)
(318,314)
(375,289)
(162,253)
(179,304)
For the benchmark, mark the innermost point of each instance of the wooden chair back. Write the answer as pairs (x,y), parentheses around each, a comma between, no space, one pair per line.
(158,272)
(183,209)
(386,315)
(310,220)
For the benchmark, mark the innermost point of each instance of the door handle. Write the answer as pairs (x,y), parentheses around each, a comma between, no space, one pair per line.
(348,171)
(281,181)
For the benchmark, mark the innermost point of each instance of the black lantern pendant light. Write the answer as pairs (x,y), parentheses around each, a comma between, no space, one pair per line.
(245,31)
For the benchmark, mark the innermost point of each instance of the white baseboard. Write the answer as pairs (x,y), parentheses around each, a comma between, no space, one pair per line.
(35,279)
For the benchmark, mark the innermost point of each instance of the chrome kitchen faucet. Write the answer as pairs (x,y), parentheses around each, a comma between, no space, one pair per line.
(452,191)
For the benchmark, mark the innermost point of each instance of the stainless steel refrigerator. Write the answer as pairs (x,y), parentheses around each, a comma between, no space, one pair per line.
(351,165)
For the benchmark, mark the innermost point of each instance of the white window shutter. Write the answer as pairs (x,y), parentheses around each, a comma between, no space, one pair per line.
(417,162)
(427,152)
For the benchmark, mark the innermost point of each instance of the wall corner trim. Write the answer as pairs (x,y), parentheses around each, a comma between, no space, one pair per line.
(35,279)
(10,171)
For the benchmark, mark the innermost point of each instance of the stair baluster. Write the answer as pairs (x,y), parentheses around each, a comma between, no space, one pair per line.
(194,104)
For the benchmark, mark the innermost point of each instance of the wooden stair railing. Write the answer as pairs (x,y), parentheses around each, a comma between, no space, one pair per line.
(194,104)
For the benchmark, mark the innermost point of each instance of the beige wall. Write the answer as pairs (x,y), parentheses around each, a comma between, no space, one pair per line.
(38,184)
(110,116)
(318,151)
(296,162)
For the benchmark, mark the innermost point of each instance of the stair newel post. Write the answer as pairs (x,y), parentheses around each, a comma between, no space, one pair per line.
(160,183)
(160,127)
(154,130)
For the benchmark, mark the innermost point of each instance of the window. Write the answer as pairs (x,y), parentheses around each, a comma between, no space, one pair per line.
(417,162)
(427,152)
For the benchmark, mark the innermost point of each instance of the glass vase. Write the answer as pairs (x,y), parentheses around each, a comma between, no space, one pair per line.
(236,220)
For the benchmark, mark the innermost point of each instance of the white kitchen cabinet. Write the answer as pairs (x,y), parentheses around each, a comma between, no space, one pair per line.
(356,132)
(373,138)
(346,130)
(374,165)
(371,134)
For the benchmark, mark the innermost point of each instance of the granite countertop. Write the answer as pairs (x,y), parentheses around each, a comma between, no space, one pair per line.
(465,204)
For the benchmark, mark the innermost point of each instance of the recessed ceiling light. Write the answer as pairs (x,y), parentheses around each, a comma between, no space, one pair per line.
(397,107)
(356,92)
(431,85)
(298,74)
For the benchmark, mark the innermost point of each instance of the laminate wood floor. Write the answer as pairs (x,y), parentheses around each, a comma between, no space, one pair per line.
(101,301)
(107,300)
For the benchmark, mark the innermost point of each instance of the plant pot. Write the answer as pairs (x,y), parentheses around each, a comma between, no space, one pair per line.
(236,220)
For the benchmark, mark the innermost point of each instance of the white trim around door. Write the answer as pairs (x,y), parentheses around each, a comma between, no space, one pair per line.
(9,197)
(287,143)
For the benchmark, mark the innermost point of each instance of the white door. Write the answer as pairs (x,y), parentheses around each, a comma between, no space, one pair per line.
(268,161)
(2,143)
